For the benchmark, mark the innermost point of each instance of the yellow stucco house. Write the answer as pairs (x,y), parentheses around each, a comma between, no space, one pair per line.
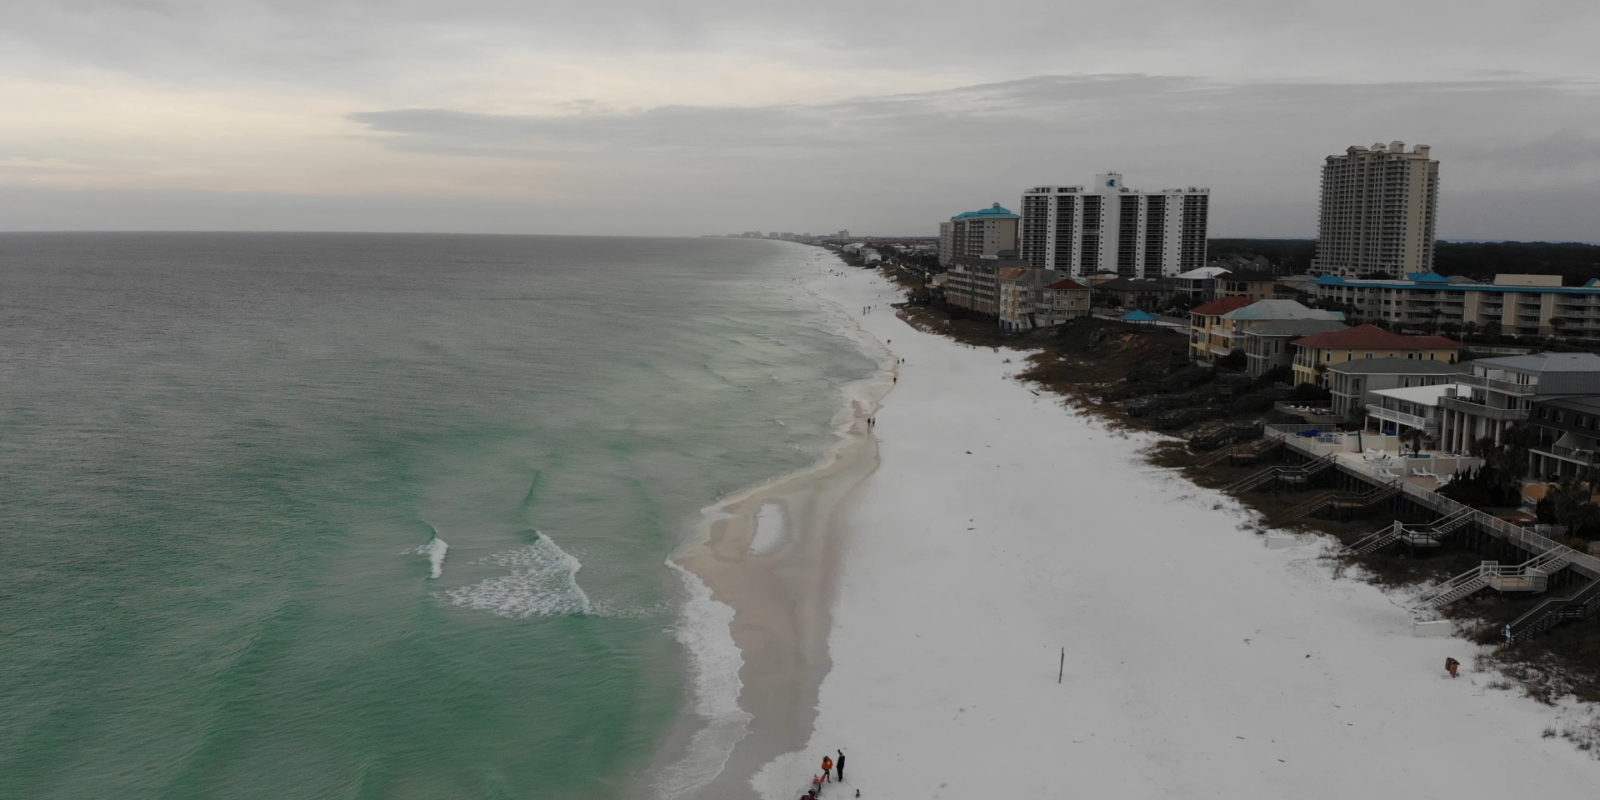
(1314,354)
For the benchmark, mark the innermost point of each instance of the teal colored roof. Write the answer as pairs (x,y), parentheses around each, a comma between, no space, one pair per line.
(1138,316)
(1334,280)
(992,212)
(1426,277)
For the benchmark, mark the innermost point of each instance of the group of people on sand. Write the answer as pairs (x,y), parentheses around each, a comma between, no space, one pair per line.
(829,767)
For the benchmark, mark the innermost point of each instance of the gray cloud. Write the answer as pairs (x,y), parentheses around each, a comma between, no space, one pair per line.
(1259,147)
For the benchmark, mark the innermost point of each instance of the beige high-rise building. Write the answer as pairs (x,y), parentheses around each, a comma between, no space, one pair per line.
(985,233)
(1378,210)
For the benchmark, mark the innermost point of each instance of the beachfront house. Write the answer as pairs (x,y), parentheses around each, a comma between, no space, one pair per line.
(1566,439)
(1413,413)
(1252,285)
(1062,301)
(1316,353)
(1198,285)
(1225,332)
(1500,392)
(1207,342)
(1353,382)
(1020,291)
(1150,295)
(1267,346)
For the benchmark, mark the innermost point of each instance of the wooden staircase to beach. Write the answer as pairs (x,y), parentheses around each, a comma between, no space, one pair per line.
(1347,500)
(1552,612)
(1532,575)
(1299,473)
(1253,450)
(1430,535)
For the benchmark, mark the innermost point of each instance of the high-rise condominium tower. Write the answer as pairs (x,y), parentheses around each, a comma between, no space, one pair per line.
(1378,209)
(1111,228)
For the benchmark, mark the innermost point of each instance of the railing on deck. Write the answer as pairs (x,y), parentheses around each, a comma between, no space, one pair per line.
(1494,526)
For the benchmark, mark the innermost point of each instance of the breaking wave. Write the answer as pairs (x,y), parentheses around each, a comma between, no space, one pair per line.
(543,582)
(715,663)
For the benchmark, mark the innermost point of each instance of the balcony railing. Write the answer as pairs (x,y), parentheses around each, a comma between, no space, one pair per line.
(1408,420)
(1519,389)
(1481,410)
(1577,454)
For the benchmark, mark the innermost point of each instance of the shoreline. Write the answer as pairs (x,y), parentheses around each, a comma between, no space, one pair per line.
(779,587)
(1003,528)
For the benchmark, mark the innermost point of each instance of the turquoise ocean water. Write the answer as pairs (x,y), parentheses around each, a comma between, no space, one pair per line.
(360,516)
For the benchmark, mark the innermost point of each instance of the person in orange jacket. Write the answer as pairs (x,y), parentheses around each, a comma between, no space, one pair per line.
(827,768)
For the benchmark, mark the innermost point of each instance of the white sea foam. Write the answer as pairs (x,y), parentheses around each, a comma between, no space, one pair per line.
(769,529)
(435,549)
(715,661)
(543,582)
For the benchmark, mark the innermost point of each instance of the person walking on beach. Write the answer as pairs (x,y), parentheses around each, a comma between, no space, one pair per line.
(840,762)
(827,768)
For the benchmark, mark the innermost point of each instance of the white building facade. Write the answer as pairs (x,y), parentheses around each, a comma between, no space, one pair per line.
(1111,228)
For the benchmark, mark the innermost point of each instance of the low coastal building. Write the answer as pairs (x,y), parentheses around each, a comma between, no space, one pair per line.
(1500,392)
(1267,346)
(1523,305)
(1224,333)
(1315,354)
(1353,383)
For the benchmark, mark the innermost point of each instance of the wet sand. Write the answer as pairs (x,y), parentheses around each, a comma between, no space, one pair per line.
(781,596)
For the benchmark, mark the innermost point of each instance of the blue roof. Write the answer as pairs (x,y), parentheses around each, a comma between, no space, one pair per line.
(994,212)
(1426,277)
(1138,316)
(1334,280)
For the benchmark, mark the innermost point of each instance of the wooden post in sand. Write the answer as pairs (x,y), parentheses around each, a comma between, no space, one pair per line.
(1063,670)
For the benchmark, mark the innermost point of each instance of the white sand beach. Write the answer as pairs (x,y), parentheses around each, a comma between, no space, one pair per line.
(1000,527)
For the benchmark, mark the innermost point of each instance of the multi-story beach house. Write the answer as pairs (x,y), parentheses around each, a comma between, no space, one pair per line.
(1377,212)
(1267,346)
(1499,392)
(986,233)
(1063,301)
(1407,411)
(1353,382)
(1206,340)
(1566,444)
(1224,333)
(1020,291)
(1198,285)
(1108,227)
(1523,305)
(1254,285)
(1315,354)
(1125,293)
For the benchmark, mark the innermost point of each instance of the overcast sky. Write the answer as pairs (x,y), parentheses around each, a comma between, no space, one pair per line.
(881,116)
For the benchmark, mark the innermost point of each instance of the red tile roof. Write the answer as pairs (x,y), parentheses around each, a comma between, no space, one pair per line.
(1372,337)
(1066,284)
(1223,306)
